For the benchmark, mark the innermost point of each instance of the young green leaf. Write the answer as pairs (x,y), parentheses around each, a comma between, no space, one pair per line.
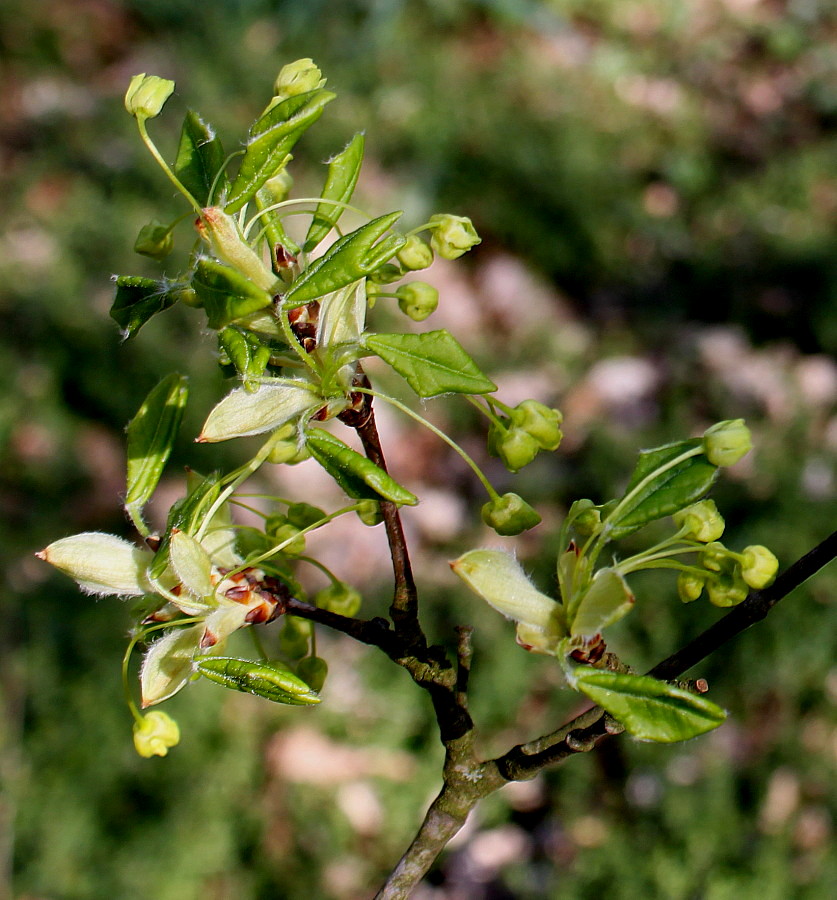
(340,183)
(358,476)
(200,157)
(606,600)
(242,413)
(247,354)
(433,363)
(226,294)
(658,489)
(137,300)
(151,434)
(353,256)
(270,140)
(271,680)
(649,709)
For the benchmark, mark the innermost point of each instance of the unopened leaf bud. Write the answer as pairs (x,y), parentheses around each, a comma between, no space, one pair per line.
(146,95)
(702,520)
(155,733)
(727,589)
(516,448)
(313,671)
(417,300)
(500,580)
(415,254)
(727,442)
(298,77)
(154,240)
(226,242)
(509,515)
(759,566)
(689,586)
(538,640)
(340,598)
(451,236)
(543,423)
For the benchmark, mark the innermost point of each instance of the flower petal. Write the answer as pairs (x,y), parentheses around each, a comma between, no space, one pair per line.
(191,564)
(101,563)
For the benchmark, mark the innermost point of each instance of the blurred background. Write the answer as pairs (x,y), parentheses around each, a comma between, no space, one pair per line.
(656,188)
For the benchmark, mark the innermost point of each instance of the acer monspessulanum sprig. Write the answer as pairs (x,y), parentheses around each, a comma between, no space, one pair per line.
(290,314)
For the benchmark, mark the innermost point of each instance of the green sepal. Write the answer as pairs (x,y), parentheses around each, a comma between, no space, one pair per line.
(248,355)
(137,300)
(649,709)
(271,680)
(270,140)
(664,494)
(358,476)
(340,183)
(185,515)
(151,434)
(225,293)
(200,157)
(353,256)
(432,363)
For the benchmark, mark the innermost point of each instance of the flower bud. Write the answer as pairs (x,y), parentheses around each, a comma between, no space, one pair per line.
(146,95)
(154,240)
(543,423)
(298,77)
(716,557)
(727,589)
(451,236)
(155,733)
(703,521)
(509,515)
(689,586)
(726,442)
(226,242)
(415,254)
(313,670)
(340,598)
(279,186)
(294,638)
(385,274)
(499,579)
(516,448)
(417,300)
(279,529)
(304,514)
(369,512)
(759,566)
(286,447)
(586,517)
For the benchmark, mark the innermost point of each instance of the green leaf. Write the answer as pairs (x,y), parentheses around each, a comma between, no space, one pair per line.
(270,140)
(247,354)
(225,293)
(151,434)
(606,601)
(649,709)
(358,476)
(353,256)
(271,680)
(200,157)
(137,300)
(433,363)
(340,183)
(185,515)
(665,493)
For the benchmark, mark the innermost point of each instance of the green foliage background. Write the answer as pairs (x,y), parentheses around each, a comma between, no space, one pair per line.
(666,173)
